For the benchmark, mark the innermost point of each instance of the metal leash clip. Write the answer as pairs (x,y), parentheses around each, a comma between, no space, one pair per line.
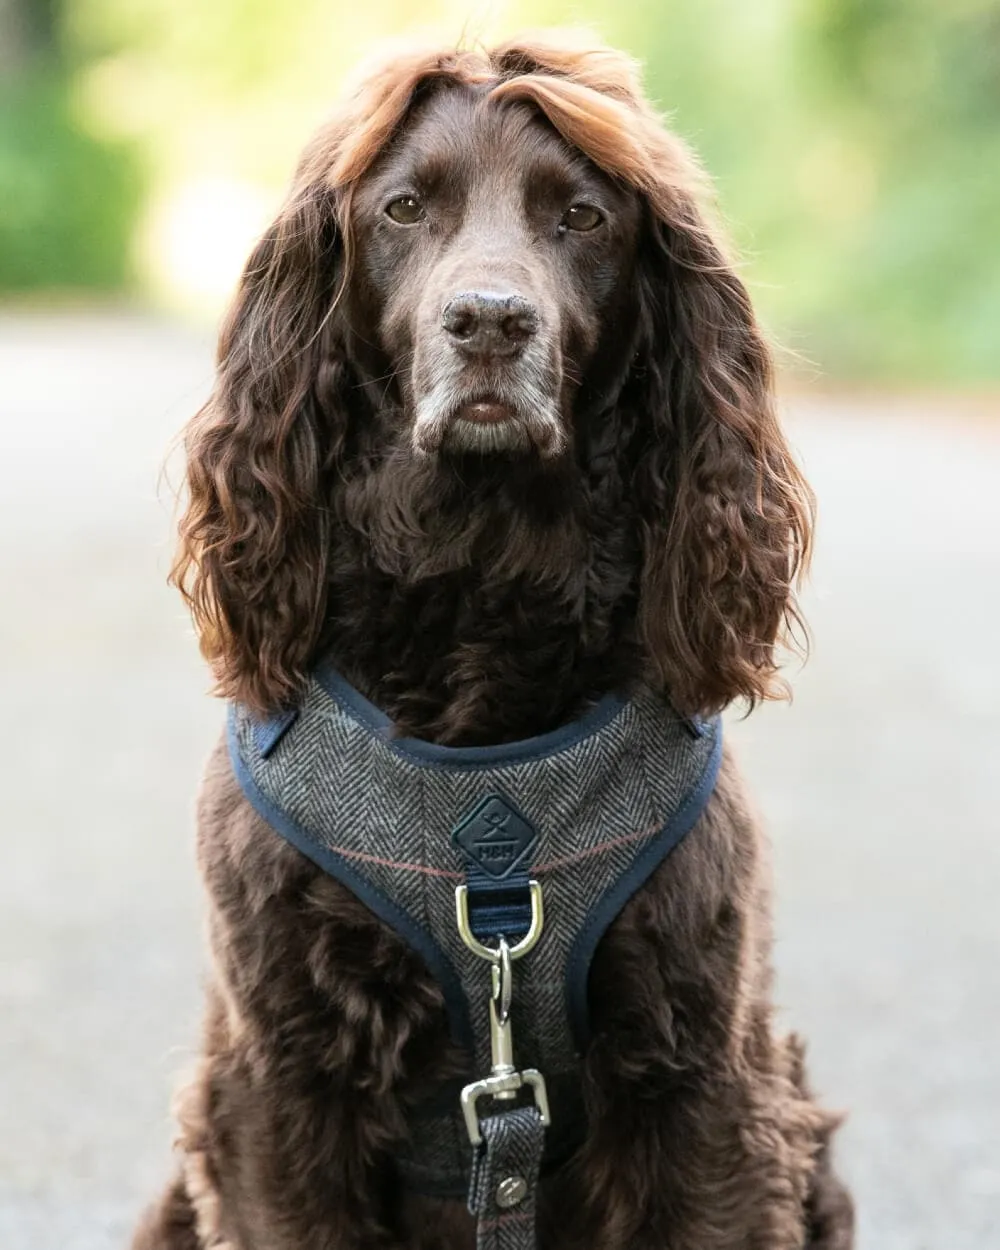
(504,1079)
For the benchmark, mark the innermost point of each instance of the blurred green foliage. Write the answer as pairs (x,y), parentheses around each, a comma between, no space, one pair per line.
(68,198)
(855,143)
(856,147)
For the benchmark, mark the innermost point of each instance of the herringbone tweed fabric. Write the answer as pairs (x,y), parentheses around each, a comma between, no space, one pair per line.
(607,796)
(511,1151)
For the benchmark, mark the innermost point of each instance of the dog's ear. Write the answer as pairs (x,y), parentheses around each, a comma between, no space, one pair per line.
(255,536)
(255,539)
(725,514)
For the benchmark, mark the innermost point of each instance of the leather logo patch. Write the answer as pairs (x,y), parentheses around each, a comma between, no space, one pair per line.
(495,835)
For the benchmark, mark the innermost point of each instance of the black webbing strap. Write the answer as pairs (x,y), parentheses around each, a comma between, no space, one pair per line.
(497,907)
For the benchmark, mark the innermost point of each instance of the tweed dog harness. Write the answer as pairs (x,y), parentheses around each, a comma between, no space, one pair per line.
(502,866)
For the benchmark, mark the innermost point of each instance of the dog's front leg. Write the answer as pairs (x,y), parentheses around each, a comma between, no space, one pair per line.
(703,1134)
(269,1160)
(276,1158)
(273,1158)
(700,1161)
(318,1019)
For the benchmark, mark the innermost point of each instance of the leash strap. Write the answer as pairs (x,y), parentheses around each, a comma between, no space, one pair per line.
(504,1185)
(500,918)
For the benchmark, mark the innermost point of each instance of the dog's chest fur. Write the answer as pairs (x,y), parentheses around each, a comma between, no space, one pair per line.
(479,606)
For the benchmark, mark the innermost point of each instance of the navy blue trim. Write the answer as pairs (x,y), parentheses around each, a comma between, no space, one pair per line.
(433,754)
(614,899)
(383,907)
(268,733)
(696,727)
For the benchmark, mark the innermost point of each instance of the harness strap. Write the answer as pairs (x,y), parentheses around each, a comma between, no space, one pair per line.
(504,1184)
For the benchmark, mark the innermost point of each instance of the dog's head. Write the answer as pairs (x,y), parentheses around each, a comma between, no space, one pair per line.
(489,256)
(495,262)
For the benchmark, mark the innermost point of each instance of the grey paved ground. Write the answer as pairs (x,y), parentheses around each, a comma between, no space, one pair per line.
(879,784)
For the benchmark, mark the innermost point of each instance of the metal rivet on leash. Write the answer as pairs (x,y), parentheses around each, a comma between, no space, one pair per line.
(511,1191)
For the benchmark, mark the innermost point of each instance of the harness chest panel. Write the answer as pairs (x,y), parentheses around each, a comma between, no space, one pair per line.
(590,810)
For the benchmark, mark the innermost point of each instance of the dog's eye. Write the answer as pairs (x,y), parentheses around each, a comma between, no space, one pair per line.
(406,211)
(581,217)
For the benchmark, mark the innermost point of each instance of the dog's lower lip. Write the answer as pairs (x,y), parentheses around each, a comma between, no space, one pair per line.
(488,411)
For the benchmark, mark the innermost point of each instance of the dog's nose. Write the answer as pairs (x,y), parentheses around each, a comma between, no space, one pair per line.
(487,323)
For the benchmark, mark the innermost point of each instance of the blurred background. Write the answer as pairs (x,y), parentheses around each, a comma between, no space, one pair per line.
(855,145)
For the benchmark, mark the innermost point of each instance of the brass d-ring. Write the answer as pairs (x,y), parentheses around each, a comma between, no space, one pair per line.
(526,943)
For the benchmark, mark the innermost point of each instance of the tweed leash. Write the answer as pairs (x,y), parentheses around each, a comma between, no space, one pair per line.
(509,1142)
(504,1185)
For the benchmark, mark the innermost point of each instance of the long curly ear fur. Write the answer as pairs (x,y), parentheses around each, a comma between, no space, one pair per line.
(254,546)
(726,516)
(254,540)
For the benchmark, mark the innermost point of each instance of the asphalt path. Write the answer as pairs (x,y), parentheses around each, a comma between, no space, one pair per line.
(879,784)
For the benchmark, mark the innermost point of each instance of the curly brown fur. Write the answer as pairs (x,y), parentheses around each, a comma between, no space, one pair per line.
(638,522)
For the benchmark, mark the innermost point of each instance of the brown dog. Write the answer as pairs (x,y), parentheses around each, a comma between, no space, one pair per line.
(493,432)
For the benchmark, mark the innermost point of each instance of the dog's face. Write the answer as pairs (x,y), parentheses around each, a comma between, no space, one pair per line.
(487,260)
(490,257)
